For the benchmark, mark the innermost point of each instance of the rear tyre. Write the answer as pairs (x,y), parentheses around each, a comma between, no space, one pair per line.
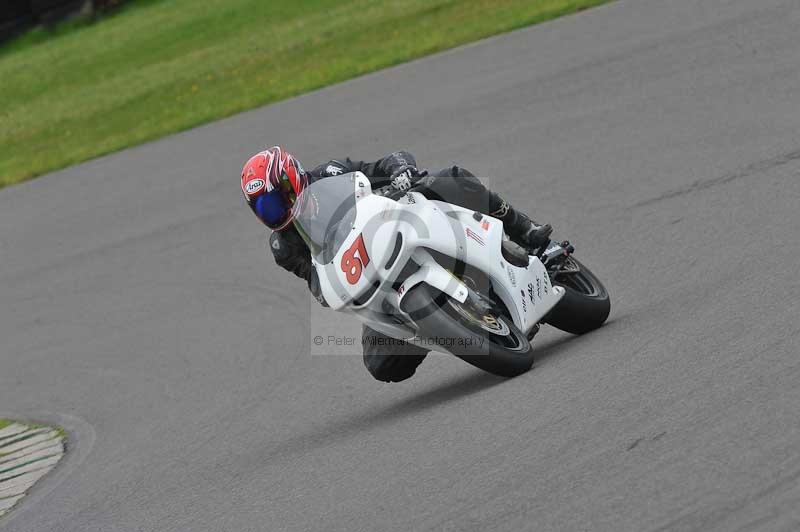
(585,305)
(482,338)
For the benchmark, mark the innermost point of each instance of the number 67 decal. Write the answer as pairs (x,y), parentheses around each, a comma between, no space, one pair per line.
(354,260)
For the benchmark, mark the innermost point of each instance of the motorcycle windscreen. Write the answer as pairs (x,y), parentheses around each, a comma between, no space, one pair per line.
(325,213)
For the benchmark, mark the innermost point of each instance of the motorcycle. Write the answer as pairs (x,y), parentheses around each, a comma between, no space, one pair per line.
(442,276)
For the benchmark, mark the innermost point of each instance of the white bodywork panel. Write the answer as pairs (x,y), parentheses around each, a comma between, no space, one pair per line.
(425,225)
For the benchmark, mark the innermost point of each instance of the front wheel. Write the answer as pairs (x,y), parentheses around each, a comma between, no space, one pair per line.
(585,305)
(476,335)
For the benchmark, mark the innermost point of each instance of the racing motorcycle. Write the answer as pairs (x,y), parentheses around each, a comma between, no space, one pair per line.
(442,276)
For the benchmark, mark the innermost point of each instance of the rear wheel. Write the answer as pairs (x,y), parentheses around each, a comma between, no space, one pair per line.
(472,332)
(585,305)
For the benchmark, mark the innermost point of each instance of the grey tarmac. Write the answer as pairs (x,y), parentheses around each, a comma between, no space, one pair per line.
(662,138)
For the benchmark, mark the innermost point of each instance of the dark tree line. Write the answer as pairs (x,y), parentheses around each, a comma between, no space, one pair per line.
(17,16)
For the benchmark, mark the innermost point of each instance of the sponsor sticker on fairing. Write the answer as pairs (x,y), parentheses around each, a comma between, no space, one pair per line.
(511,276)
(474,236)
(253,186)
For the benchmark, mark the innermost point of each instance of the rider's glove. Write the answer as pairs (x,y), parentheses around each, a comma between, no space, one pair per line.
(404,177)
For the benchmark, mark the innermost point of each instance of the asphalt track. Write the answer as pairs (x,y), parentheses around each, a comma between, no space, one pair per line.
(139,308)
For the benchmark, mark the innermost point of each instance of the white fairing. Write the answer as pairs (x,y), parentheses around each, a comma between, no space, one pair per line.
(365,286)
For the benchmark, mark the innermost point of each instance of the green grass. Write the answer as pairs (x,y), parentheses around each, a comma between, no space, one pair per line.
(5,422)
(157,67)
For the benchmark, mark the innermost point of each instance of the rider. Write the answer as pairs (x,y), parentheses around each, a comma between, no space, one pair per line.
(273,179)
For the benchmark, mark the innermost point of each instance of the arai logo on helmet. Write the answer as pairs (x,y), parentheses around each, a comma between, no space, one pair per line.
(254,186)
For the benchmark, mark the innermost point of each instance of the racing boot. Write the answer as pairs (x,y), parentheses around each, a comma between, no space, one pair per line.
(519,227)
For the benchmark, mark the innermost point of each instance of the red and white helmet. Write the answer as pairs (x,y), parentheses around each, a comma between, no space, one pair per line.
(271,182)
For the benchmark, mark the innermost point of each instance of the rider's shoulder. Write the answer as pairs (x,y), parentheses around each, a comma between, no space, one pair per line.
(331,168)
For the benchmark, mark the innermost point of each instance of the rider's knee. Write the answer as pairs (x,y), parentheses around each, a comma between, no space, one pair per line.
(392,368)
(454,171)
(463,172)
(388,359)
(456,185)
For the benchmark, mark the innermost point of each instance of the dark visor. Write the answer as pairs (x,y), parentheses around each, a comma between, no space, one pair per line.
(272,208)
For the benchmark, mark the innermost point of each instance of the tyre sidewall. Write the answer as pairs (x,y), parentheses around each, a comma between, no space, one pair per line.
(578,313)
(425,304)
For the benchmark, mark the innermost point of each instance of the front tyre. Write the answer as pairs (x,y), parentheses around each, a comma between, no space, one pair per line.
(585,305)
(480,337)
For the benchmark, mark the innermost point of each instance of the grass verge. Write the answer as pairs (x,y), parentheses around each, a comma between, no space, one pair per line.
(158,67)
